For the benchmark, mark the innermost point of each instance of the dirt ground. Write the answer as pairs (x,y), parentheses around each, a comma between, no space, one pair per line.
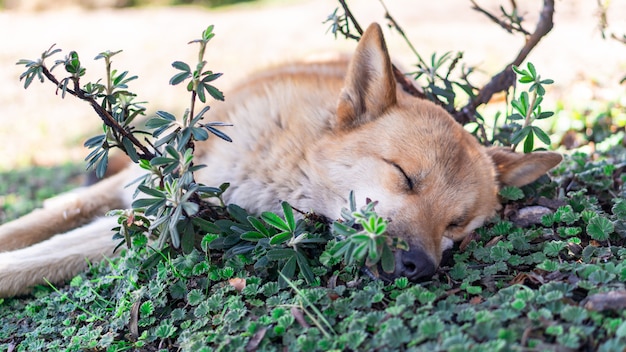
(39,128)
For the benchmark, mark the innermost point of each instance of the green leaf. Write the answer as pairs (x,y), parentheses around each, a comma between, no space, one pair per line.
(205,225)
(214,92)
(151,191)
(130,149)
(207,239)
(207,34)
(280,254)
(540,90)
(218,133)
(359,251)
(101,167)
(146,309)
(520,71)
(166,115)
(529,143)
(179,78)
(621,330)
(554,248)
(179,65)
(258,225)
(519,135)
(543,137)
(288,212)
(252,236)
(200,92)
(599,228)
(526,79)
(147,202)
(545,115)
(548,265)
(619,209)
(190,208)
(288,271)
(199,134)
(195,297)
(280,238)
(188,238)
(511,193)
(387,261)
(341,229)
(211,77)
(305,269)
(275,221)
(531,69)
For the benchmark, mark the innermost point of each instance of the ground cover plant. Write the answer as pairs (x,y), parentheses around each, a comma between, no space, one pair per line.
(546,274)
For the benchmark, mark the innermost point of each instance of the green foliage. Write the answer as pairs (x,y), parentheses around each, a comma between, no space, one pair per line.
(174,197)
(367,246)
(527,107)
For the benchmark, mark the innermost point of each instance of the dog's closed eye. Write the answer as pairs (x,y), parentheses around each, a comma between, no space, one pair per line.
(457,223)
(410,184)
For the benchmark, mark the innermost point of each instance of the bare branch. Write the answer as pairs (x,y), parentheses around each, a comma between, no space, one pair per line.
(506,78)
(351,17)
(406,84)
(509,27)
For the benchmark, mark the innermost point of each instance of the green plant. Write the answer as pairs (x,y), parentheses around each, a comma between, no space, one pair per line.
(275,245)
(527,107)
(175,198)
(361,239)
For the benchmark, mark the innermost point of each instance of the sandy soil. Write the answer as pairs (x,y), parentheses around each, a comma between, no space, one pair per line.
(37,127)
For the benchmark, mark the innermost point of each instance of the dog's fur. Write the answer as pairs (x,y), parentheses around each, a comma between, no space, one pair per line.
(307,134)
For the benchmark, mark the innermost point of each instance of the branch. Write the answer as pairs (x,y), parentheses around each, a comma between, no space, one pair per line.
(509,27)
(506,78)
(351,17)
(104,115)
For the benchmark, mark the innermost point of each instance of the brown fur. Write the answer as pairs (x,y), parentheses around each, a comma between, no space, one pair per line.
(307,134)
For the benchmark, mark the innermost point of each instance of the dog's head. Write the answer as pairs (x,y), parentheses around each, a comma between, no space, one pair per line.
(431,178)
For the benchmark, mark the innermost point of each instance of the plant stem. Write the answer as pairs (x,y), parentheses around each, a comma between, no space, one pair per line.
(529,113)
(105,116)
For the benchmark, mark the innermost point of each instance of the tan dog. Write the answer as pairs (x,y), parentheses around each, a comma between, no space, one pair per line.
(307,134)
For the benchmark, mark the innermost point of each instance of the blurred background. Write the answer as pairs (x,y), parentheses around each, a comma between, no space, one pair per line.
(38,128)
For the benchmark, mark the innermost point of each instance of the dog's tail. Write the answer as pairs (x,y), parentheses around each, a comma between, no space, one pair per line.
(50,242)
(64,213)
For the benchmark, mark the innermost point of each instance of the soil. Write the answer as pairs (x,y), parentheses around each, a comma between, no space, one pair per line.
(37,127)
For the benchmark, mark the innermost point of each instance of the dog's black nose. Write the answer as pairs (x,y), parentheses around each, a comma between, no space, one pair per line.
(415,264)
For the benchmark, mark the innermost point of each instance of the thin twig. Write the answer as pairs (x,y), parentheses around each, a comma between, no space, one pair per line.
(509,27)
(401,78)
(104,115)
(506,78)
(351,17)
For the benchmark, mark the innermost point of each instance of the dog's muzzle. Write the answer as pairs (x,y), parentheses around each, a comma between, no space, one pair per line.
(414,264)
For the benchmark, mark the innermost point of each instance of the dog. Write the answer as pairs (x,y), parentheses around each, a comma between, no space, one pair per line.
(308,134)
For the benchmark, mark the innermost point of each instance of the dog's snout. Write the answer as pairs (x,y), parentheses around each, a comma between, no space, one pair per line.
(415,265)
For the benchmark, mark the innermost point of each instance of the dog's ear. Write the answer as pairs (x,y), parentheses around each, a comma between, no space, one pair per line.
(516,169)
(370,87)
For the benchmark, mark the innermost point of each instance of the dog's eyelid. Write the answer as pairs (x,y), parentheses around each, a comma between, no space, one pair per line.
(409,181)
(458,222)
